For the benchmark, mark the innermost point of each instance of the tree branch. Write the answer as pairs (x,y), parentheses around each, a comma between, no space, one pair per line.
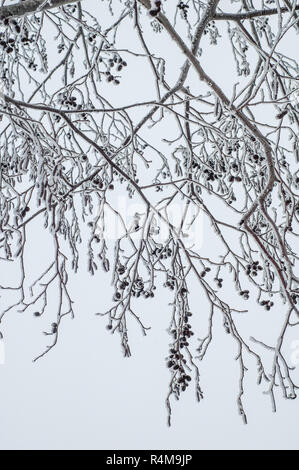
(30,6)
(251,14)
(253,130)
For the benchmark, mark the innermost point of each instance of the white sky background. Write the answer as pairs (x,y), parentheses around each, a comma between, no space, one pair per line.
(84,394)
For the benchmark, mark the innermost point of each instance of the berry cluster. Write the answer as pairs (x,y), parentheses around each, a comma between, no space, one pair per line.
(91,38)
(234,166)
(181,335)
(123,284)
(187,333)
(32,65)
(155,7)
(205,271)
(60,48)
(97,181)
(232,178)
(267,304)
(15,26)
(183,291)
(26,39)
(219,281)
(211,175)
(10,44)
(138,287)
(4,167)
(258,159)
(117,62)
(281,114)
(66,100)
(264,25)
(253,268)
(112,78)
(7,45)
(117,296)
(121,269)
(162,252)
(174,356)
(244,294)
(195,165)
(54,328)
(176,362)
(24,211)
(212,30)
(184,9)
(170,282)
(233,147)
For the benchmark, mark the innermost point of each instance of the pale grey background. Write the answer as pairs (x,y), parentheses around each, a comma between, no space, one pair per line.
(85,395)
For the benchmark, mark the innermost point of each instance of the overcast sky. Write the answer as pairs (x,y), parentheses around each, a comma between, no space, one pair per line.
(85,395)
